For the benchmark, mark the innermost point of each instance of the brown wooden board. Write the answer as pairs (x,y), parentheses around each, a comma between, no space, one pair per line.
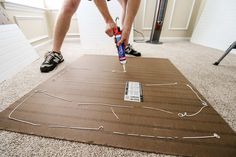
(90,79)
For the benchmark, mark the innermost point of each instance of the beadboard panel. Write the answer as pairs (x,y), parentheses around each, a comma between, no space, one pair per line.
(15,51)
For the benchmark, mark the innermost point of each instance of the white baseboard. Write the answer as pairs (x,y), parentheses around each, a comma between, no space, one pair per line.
(175,38)
(38,39)
(72,35)
(21,7)
(165,38)
(49,41)
(38,46)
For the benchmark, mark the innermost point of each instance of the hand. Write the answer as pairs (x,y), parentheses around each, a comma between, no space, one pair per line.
(110,28)
(124,37)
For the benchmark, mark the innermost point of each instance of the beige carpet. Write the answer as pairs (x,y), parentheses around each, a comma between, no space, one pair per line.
(217,85)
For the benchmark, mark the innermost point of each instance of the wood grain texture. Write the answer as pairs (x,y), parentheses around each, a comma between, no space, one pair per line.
(71,84)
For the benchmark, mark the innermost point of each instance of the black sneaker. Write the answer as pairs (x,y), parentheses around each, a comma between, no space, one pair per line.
(52,59)
(130,51)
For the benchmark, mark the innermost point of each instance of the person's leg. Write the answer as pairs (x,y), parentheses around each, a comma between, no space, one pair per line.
(54,57)
(63,23)
(129,49)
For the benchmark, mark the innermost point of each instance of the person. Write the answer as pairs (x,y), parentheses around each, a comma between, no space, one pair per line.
(129,10)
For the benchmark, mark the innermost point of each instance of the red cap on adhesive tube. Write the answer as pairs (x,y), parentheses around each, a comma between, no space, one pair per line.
(117,31)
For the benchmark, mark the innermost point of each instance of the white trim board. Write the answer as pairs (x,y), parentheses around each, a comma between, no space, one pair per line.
(18,18)
(165,38)
(41,18)
(15,51)
(38,38)
(45,43)
(21,7)
(144,16)
(188,21)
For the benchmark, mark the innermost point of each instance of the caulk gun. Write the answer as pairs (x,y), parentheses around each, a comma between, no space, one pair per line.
(121,48)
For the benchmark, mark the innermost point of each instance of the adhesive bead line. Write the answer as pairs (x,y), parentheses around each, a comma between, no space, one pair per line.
(148,85)
(145,136)
(124,71)
(133,134)
(185,114)
(166,137)
(148,136)
(114,114)
(118,106)
(84,103)
(118,71)
(215,135)
(96,83)
(85,128)
(50,95)
(100,128)
(57,126)
(157,109)
(107,105)
(164,84)
(76,127)
(118,133)
(203,102)
(20,120)
(113,71)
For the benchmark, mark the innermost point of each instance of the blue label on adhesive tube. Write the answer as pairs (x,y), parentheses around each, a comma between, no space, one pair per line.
(121,49)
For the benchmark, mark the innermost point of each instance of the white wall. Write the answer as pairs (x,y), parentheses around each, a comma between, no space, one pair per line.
(217,25)
(92,25)
(53,5)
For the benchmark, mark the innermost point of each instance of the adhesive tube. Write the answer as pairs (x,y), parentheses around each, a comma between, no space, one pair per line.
(121,48)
